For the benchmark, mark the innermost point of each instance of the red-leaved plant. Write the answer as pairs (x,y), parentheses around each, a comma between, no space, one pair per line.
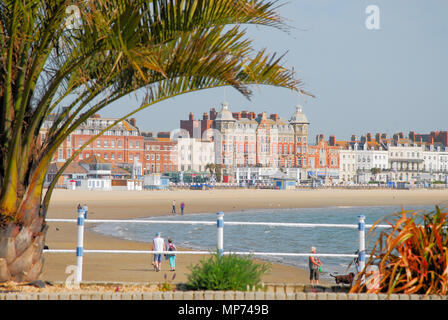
(411,256)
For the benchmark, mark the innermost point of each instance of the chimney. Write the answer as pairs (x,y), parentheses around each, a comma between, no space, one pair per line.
(163,134)
(205,116)
(319,138)
(273,116)
(148,134)
(369,137)
(236,115)
(412,136)
(363,139)
(383,136)
(244,114)
(213,114)
(353,137)
(378,137)
(133,122)
(190,116)
(332,141)
(401,135)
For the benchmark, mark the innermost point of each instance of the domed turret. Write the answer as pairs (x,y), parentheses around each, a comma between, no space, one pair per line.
(224,114)
(299,116)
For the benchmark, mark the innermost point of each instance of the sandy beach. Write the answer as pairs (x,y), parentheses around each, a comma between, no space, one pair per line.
(139,204)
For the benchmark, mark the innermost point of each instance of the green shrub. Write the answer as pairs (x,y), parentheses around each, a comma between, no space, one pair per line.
(227,272)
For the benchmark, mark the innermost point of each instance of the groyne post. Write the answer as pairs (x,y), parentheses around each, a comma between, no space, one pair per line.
(80,246)
(220,225)
(361,243)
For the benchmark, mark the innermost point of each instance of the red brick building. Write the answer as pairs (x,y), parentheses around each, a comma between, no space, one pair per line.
(160,154)
(122,144)
(323,158)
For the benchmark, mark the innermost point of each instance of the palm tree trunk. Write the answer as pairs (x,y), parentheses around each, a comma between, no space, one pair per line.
(21,246)
(22,240)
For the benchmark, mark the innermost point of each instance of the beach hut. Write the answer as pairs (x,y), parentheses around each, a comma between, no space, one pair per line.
(283,181)
(156,181)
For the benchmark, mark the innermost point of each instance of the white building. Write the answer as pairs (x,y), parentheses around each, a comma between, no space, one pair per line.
(368,158)
(435,163)
(405,162)
(194,154)
(347,166)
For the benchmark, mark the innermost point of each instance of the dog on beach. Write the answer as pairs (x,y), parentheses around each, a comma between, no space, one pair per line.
(345,279)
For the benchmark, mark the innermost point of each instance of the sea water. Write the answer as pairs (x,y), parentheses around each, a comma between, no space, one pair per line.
(267,238)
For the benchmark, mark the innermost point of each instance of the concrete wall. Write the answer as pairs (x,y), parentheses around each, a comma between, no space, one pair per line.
(213,295)
(277,291)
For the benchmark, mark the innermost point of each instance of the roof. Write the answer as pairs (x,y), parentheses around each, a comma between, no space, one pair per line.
(224,114)
(299,116)
(281,176)
(72,168)
(116,170)
(93,160)
(101,123)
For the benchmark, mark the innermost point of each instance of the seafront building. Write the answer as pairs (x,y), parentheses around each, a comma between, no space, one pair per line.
(249,148)
(247,140)
(347,166)
(160,153)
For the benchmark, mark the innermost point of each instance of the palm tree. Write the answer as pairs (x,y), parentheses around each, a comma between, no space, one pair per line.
(210,167)
(68,62)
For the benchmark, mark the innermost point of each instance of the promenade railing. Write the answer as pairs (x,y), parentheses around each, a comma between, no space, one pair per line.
(361,226)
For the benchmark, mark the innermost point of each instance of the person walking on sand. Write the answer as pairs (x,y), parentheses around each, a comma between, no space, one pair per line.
(172,257)
(182,207)
(174,207)
(315,265)
(158,245)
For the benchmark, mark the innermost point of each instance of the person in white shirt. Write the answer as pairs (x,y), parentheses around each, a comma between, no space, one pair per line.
(158,244)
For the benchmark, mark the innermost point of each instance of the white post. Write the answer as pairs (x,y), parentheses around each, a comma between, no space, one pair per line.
(80,246)
(220,225)
(362,243)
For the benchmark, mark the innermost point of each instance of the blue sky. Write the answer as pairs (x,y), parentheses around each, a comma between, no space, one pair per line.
(387,80)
